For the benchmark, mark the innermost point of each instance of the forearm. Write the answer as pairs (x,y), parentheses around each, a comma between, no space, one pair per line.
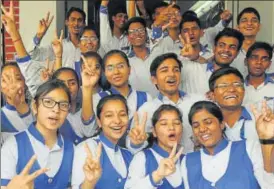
(87,103)
(58,63)
(131,9)
(268,151)
(18,44)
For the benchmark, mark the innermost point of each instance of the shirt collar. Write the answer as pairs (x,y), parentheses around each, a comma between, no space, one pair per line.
(245,114)
(10,107)
(114,91)
(161,96)
(107,142)
(210,67)
(160,150)
(218,148)
(268,79)
(132,53)
(38,136)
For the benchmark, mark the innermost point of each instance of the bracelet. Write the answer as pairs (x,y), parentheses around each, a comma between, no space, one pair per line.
(266,141)
(58,56)
(19,39)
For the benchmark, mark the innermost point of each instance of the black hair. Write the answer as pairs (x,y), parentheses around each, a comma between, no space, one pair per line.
(134,20)
(89,27)
(91,54)
(165,107)
(112,52)
(177,7)
(158,5)
(115,8)
(49,86)
(190,18)
(210,107)
(105,99)
(73,9)
(248,10)
(221,72)
(160,59)
(64,69)
(189,13)
(229,32)
(260,45)
(10,64)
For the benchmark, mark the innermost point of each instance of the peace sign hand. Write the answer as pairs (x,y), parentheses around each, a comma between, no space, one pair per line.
(44,25)
(8,19)
(167,165)
(92,167)
(47,72)
(57,44)
(164,15)
(137,134)
(187,50)
(264,121)
(25,180)
(89,77)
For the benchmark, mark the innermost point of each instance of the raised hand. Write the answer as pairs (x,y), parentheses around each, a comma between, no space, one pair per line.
(264,121)
(44,25)
(57,44)
(137,134)
(89,77)
(92,167)
(167,165)
(8,19)
(25,180)
(187,50)
(226,16)
(163,18)
(47,72)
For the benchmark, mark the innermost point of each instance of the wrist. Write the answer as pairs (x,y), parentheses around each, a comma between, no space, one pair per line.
(157,177)
(88,184)
(39,35)
(266,141)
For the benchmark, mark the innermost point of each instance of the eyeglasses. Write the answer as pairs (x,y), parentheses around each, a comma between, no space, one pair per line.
(137,31)
(119,66)
(257,58)
(225,86)
(253,20)
(89,39)
(49,103)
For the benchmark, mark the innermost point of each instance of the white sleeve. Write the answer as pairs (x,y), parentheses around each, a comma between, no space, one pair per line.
(210,33)
(9,156)
(105,30)
(27,117)
(86,128)
(137,178)
(184,173)
(265,180)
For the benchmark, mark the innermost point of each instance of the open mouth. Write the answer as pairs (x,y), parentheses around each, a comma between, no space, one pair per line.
(225,55)
(230,97)
(53,120)
(171,81)
(117,129)
(172,137)
(205,137)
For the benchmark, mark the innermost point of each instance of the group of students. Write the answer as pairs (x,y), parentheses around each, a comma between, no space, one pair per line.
(143,107)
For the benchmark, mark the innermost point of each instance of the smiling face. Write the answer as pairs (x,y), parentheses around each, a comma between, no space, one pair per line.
(207,129)
(75,23)
(226,50)
(249,25)
(194,32)
(137,34)
(168,130)
(175,17)
(119,20)
(113,120)
(229,92)
(168,77)
(89,42)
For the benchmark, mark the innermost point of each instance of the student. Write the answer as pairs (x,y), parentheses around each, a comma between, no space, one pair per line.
(157,167)
(227,88)
(112,117)
(248,23)
(51,105)
(15,114)
(165,73)
(222,163)
(258,84)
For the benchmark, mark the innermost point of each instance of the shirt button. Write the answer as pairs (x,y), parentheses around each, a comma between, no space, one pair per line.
(50,180)
(119,180)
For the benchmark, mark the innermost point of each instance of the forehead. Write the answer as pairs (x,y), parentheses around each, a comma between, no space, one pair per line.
(57,94)
(76,14)
(249,15)
(261,52)
(92,61)
(170,62)
(169,114)
(201,115)
(115,59)
(89,33)
(66,75)
(135,25)
(114,106)
(190,24)
(229,40)
(229,78)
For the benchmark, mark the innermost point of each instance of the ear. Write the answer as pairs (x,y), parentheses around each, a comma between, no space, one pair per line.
(34,107)
(154,133)
(154,80)
(113,18)
(66,23)
(222,125)
(98,122)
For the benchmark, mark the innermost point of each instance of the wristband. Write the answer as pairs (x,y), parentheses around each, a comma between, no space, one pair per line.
(266,141)
(19,39)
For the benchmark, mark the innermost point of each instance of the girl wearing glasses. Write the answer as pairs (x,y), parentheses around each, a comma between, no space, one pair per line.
(157,166)
(222,163)
(53,151)
(110,169)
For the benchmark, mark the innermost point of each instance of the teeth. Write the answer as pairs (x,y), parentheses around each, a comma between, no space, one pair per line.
(224,55)
(231,96)
(205,137)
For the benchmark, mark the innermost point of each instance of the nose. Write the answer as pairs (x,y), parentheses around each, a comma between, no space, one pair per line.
(56,108)
(202,128)
(230,88)
(117,119)
(171,127)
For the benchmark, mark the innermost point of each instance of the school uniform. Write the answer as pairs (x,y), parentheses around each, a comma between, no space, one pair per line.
(184,104)
(233,165)
(114,162)
(18,150)
(145,163)
(12,122)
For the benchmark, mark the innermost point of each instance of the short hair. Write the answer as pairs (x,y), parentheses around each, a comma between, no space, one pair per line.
(160,59)
(49,86)
(112,52)
(134,20)
(229,32)
(14,64)
(248,10)
(210,107)
(189,13)
(105,99)
(64,69)
(76,9)
(88,28)
(177,7)
(190,18)
(165,107)
(260,45)
(160,4)
(222,72)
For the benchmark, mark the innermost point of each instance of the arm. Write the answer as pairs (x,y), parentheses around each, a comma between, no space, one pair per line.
(131,9)
(105,30)
(57,46)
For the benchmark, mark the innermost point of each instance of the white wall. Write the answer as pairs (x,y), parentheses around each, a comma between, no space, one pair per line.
(30,14)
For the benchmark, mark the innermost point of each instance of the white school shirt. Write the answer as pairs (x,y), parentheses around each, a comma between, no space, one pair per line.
(184,104)
(107,40)
(263,91)
(214,167)
(244,128)
(137,178)
(113,152)
(48,158)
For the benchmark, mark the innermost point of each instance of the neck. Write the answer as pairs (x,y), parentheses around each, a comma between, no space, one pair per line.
(74,38)
(50,136)
(211,149)
(165,148)
(256,81)
(123,90)
(174,33)
(116,32)
(173,97)
(248,42)
(140,51)
(232,116)
(73,106)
